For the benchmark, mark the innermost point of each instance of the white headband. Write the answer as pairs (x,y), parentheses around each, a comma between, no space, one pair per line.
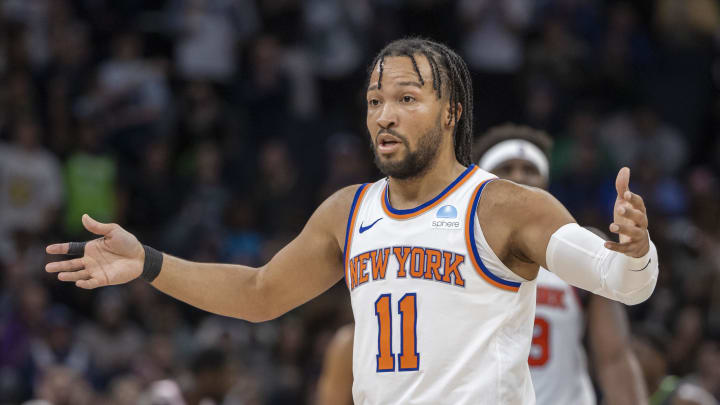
(515,149)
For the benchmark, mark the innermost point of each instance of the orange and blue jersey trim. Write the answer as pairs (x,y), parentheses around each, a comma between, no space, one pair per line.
(351,227)
(413,212)
(472,247)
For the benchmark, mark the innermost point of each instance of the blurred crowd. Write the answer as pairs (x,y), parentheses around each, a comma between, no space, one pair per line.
(212,129)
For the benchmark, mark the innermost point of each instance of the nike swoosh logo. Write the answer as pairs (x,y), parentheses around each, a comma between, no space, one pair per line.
(365,228)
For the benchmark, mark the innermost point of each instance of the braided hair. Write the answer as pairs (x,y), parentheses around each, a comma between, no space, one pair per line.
(450,76)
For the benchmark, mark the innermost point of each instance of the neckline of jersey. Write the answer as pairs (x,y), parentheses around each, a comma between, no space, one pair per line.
(413,212)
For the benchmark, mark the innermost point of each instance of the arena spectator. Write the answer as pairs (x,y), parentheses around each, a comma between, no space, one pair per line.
(199,220)
(112,339)
(210,34)
(58,346)
(492,41)
(62,386)
(641,136)
(22,324)
(91,180)
(30,184)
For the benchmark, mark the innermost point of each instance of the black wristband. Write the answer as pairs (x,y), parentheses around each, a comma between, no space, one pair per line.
(152,265)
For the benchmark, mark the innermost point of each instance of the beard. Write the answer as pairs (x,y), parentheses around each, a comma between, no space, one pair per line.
(416,162)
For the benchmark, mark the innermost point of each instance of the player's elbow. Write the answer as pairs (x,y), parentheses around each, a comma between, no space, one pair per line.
(261,302)
(264,313)
(632,287)
(258,318)
(249,302)
(637,296)
(258,314)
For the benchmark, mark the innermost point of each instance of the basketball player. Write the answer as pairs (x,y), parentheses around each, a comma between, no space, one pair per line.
(336,378)
(557,358)
(441,280)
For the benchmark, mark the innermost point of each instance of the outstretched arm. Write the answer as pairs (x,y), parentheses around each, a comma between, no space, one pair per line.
(532,228)
(618,370)
(303,269)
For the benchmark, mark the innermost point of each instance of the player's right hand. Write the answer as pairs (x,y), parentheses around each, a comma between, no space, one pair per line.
(115,258)
(630,219)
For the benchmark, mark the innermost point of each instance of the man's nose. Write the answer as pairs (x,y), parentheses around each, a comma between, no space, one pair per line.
(387,118)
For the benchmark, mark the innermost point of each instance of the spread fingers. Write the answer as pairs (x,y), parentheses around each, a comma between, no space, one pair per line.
(635,200)
(635,233)
(635,215)
(65,265)
(74,275)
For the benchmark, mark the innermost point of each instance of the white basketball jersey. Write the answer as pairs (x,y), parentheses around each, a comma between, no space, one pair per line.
(557,358)
(438,318)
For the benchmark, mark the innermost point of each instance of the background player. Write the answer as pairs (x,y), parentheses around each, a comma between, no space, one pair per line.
(420,123)
(557,357)
(336,378)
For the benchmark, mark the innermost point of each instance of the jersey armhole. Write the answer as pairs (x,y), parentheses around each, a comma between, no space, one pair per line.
(352,216)
(472,244)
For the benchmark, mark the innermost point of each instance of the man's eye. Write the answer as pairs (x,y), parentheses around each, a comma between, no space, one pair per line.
(408,99)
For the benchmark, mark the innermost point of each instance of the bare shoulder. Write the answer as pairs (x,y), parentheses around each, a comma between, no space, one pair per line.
(340,201)
(517,222)
(513,197)
(333,213)
(517,203)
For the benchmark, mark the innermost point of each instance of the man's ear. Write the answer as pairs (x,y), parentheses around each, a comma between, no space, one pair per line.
(449,114)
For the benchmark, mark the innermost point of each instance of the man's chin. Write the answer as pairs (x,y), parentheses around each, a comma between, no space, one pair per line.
(396,168)
(388,161)
(396,158)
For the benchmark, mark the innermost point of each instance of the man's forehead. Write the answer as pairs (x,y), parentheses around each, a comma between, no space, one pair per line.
(399,70)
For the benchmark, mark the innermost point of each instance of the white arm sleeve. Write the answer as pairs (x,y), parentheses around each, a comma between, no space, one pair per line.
(580,257)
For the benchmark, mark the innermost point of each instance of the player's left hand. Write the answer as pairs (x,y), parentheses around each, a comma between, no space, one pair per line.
(630,219)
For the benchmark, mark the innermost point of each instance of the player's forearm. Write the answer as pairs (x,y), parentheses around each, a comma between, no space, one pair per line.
(336,380)
(617,367)
(621,380)
(580,258)
(329,395)
(335,390)
(223,289)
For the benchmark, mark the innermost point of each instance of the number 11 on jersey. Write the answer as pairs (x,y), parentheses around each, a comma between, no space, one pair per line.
(409,358)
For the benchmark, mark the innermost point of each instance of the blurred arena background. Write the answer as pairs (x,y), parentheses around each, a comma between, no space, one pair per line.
(213,128)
